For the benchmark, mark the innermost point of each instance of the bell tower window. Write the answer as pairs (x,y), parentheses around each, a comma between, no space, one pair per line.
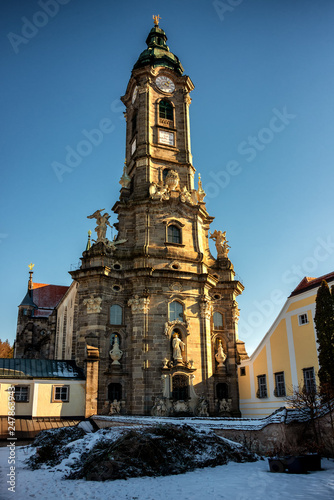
(174,234)
(218,323)
(134,122)
(116,315)
(166,110)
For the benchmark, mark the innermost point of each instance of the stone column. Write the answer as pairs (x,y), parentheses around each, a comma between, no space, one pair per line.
(140,364)
(92,380)
(206,313)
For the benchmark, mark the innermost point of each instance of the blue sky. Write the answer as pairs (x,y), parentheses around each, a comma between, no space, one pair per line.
(262,128)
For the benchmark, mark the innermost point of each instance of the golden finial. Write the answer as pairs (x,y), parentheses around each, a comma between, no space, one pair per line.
(156,19)
(89,244)
(31,266)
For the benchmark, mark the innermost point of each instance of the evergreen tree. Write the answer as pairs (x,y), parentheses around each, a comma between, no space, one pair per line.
(324,323)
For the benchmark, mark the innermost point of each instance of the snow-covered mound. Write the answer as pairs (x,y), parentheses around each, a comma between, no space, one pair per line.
(122,453)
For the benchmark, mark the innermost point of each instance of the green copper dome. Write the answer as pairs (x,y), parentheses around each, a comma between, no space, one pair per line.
(158,53)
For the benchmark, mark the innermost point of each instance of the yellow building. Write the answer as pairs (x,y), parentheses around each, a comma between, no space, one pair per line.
(286,357)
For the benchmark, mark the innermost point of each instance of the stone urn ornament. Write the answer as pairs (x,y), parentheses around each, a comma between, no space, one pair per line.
(172,180)
(220,355)
(115,353)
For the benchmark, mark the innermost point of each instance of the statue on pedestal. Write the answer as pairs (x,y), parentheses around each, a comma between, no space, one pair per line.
(221,243)
(178,346)
(102,222)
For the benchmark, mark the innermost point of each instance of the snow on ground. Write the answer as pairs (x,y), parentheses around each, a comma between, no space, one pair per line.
(246,481)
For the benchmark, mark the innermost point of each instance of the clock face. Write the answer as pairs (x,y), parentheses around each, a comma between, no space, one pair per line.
(134,95)
(165,84)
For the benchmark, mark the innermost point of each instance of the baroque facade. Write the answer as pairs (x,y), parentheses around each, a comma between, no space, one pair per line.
(152,316)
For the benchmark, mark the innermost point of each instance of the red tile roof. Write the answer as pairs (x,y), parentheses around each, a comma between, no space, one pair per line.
(308,283)
(46,297)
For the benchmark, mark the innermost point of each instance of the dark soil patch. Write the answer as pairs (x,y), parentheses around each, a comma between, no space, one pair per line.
(158,451)
(50,446)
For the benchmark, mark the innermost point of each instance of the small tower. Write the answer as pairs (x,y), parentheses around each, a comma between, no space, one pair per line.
(24,333)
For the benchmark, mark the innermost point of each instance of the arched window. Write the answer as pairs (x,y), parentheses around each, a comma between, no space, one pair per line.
(114,392)
(218,323)
(180,388)
(175,311)
(116,315)
(222,391)
(174,234)
(166,110)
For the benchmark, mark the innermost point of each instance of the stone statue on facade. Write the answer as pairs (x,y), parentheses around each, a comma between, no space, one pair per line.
(178,346)
(206,307)
(158,191)
(102,221)
(221,243)
(115,353)
(93,304)
(115,407)
(185,195)
(202,408)
(112,244)
(220,355)
(224,405)
(160,407)
(236,314)
(139,304)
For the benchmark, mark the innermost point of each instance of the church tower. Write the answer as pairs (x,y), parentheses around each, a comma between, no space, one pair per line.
(157,318)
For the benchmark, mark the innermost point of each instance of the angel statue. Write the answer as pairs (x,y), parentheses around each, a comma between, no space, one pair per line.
(102,222)
(221,243)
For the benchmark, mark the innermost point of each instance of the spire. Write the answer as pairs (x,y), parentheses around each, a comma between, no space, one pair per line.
(28,301)
(157,52)
(31,272)
(89,244)
(200,191)
(125,180)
